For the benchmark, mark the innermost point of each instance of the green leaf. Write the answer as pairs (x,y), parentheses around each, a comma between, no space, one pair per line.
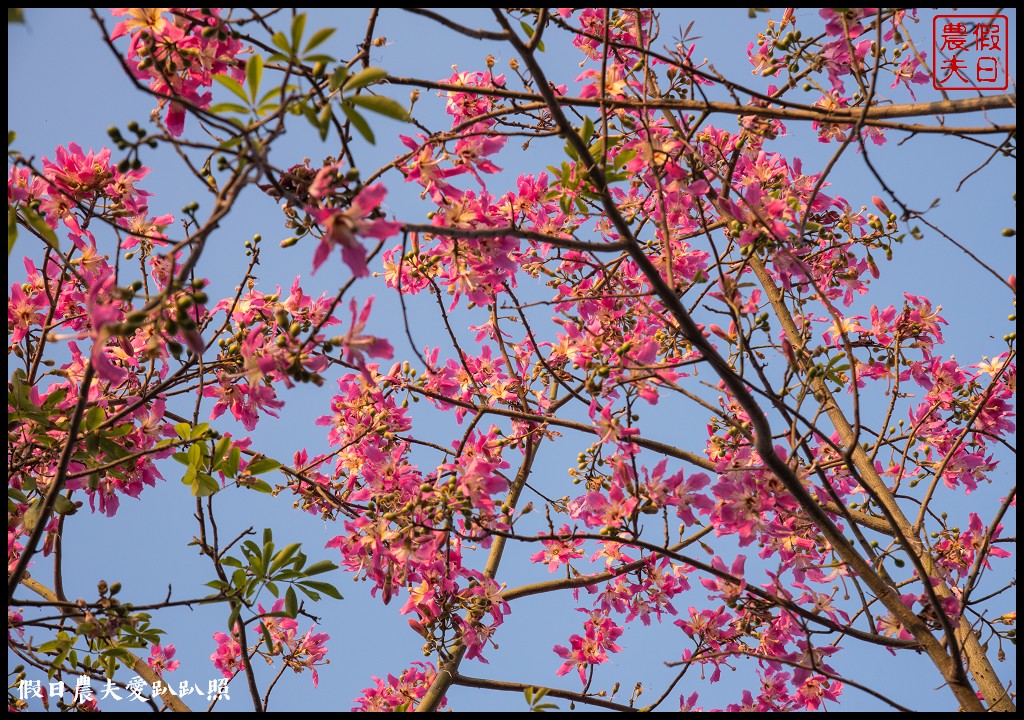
(251,550)
(195,456)
(205,485)
(199,430)
(325,588)
(319,38)
(10,137)
(16,15)
(291,602)
(312,595)
(358,122)
(220,450)
(258,467)
(32,516)
(58,661)
(528,29)
(283,556)
(48,647)
(254,74)
(233,85)
(229,108)
(183,430)
(37,223)
(12,224)
(624,157)
(528,694)
(267,108)
(231,464)
(318,568)
(298,28)
(323,121)
(337,78)
(120,430)
(259,486)
(93,418)
(64,505)
(274,92)
(587,131)
(364,77)
(381,105)
(233,617)
(112,449)
(318,58)
(280,41)
(266,553)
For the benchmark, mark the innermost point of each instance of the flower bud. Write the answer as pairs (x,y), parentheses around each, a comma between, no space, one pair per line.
(880,204)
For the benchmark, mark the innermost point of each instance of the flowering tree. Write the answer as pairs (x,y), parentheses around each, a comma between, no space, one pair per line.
(663,260)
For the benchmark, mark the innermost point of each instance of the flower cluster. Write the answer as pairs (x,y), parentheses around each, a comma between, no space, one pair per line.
(298,652)
(179,51)
(397,694)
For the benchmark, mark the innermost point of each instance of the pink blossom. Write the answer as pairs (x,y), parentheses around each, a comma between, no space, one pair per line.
(160,659)
(228,656)
(356,345)
(342,227)
(559,552)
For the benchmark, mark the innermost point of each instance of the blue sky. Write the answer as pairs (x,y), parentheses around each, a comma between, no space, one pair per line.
(64,85)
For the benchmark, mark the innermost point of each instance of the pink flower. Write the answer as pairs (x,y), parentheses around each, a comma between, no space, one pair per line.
(281,629)
(228,656)
(559,552)
(908,73)
(246,402)
(160,659)
(23,312)
(343,227)
(178,55)
(394,692)
(581,654)
(816,689)
(310,652)
(598,509)
(356,345)
(307,651)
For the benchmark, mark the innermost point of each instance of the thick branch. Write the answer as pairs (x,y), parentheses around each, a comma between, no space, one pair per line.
(171,701)
(737,387)
(977,659)
(875,116)
(450,669)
